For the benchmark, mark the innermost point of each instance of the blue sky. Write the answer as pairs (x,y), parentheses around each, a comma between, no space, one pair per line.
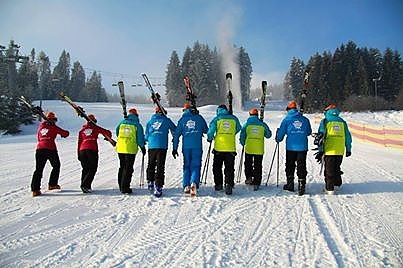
(122,38)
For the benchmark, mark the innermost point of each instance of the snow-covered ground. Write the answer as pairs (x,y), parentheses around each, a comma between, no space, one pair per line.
(359,227)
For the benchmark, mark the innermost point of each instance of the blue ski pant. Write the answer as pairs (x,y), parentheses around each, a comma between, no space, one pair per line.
(192,159)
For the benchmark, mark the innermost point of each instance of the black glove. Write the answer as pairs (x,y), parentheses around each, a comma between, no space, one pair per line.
(348,154)
(175,153)
(318,157)
(143,150)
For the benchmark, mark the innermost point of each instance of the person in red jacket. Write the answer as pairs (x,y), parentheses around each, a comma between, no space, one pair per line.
(46,150)
(87,151)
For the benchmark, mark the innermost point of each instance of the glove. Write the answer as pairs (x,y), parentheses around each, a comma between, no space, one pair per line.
(318,157)
(143,150)
(348,154)
(175,153)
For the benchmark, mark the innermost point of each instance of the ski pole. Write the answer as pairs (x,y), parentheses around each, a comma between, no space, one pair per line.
(278,161)
(272,161)
(238,178)
(205,167)
(142,172)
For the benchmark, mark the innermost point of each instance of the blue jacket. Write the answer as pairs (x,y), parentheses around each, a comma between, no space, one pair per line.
(191,127)
(157,131)
(298,128)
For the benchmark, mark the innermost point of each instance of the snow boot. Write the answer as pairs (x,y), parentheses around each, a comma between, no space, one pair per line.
(193,189)
(36,193)
(186,189)
(228,189)
(248,181)
(158,191)
(54,187)
(301,188)
(290,185)
(150,186)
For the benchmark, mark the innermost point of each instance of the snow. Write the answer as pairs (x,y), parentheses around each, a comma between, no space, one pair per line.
(361,226)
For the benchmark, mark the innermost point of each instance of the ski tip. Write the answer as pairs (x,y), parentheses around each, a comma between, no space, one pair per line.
(228,76)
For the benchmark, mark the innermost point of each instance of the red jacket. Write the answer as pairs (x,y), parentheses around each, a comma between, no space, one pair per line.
(47,134)
(88,135)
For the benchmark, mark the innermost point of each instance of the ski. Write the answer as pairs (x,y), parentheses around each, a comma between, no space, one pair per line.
(228,78)
(80,112)
(263,100)
(34,109)
(156,98)
(190,96)
(304,91)
(122,98)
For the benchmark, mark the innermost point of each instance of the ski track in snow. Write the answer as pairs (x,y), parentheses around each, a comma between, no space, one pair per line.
(359,227)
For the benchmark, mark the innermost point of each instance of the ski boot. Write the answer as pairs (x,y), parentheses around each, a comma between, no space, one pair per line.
(301,188)
(150,186)
(158,191)
(290,185)
(228,189)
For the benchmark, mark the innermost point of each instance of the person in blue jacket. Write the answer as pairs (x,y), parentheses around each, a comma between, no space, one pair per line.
(156,135)
(297,128)
(130,135)
(223,129)
(252,136)
(191,126)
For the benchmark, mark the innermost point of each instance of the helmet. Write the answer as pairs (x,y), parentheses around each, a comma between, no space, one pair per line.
(222,106)
(331,106)
(92,118)
(133,111)
(51,116)
(253,111)
(291,105)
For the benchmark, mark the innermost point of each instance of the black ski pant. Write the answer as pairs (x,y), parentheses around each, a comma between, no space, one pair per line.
(156,166)
(126,162)
(228,159)
(89,164)
(295,159)
(41,157)
(253,168)
(333,171)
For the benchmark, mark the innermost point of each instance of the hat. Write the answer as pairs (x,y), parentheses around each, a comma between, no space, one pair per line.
(331,106)
(291,105)
(222,106)
(253,111)
(187,106)
(133,111)
(51,116)
(92,118)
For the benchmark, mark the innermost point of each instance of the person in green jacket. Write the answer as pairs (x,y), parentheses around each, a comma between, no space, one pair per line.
(223,129)
(130,135)
(252,137)
(336,139)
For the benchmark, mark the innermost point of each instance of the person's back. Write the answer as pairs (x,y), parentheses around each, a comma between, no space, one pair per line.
(191,127)
(157,129)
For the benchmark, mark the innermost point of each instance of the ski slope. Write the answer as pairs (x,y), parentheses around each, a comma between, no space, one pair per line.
(361,226)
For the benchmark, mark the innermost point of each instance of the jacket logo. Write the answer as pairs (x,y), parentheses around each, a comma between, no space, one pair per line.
(88,132)
(127,130)
(44,131)
(156,125)
(297,124)
(191,124)
(254,130)
(226,125)
(336,128)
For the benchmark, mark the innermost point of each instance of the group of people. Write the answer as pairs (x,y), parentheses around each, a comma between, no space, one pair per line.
(334,139)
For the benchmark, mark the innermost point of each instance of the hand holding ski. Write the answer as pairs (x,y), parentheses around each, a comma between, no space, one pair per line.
(80,112)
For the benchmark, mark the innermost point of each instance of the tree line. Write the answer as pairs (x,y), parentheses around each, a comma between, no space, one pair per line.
(354,78)
(206,70)
(36,80)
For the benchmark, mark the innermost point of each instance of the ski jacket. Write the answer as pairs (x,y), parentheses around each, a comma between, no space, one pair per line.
(130,135)
(191,127)
(46,135)
(223,129)
(157,130)
(297,128)
(336,133)
(252,135)
(88,136)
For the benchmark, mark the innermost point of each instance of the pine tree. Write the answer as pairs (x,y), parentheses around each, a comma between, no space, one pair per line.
(77,82)
(174,81)
(61,77)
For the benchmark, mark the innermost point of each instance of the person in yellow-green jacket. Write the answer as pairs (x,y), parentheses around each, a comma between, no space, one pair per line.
(252,137)
(222,129)
(335,140)
(130,135)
